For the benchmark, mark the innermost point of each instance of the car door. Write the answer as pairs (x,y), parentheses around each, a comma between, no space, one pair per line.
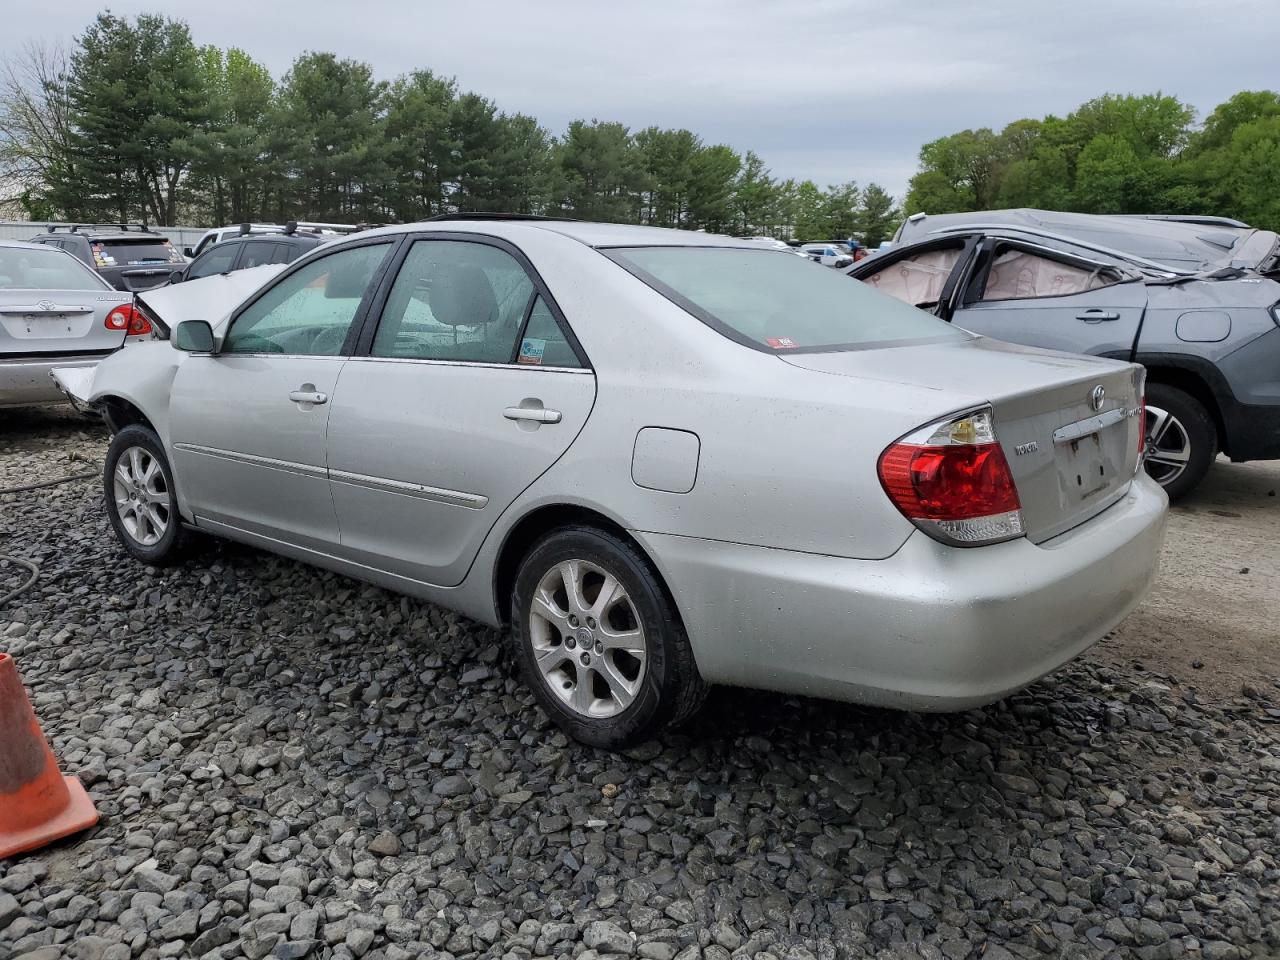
(468,387)
(248,422)
(1043,297)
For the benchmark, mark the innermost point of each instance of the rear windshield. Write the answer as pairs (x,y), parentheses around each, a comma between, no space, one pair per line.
(123,253)
(34,268)
(777,302)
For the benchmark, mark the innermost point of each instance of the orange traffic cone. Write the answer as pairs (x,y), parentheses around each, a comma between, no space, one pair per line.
(37,803)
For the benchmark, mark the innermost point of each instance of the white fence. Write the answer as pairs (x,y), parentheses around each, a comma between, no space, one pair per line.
(26,229)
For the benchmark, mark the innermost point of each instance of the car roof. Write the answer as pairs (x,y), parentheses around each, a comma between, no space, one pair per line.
(602,235)
(1183,243)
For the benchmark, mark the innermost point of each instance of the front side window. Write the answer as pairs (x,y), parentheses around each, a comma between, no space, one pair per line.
(777,303)
(454,300)
(1021,275)
(258,253)
(214,261)
(309,312)
(917,279)
(36,268)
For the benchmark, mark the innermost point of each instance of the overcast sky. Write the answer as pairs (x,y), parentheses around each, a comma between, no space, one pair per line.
(830,90)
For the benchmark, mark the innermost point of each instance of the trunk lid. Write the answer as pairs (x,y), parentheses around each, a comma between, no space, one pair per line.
(1071,456)
(66,322)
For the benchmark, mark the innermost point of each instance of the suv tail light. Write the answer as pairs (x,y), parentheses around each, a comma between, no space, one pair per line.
(129,318)
(951,479)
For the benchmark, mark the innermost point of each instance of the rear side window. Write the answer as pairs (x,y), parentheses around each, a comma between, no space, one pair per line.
(35,268)
(122,253)
(256,254)
(544,343)
(454,300)
(1021,275)
(770,302)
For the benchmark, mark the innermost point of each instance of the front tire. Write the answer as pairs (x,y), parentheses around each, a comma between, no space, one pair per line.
(1182,440)
(599,641)
(140,499)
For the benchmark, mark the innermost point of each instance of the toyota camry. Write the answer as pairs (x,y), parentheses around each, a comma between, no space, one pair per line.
(659,459)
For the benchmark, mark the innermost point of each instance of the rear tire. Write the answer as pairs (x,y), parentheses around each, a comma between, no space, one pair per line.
(599,641)
(140,498)
(1182,439)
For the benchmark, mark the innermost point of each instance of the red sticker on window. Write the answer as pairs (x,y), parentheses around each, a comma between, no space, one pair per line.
(780,343)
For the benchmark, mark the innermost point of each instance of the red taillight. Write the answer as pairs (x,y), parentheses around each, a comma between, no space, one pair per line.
(129,318)
(952,480)
(948,483)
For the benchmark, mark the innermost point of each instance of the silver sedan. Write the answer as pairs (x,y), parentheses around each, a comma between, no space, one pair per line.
(662,459)
(55,311)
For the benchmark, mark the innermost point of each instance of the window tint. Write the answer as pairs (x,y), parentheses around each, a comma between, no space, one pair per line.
(544,343)
(257,253)
(1020,275)
(454,300)
(35,268)
(309,312)
(917,279)
(777,302)
(216,260)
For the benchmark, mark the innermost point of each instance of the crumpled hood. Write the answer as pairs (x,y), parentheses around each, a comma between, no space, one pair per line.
(211,299)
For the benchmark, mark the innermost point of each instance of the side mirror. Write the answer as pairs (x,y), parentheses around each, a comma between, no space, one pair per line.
(177,276)
(188,252)
(193,336)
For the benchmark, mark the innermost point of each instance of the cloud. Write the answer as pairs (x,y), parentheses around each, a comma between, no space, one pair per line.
(823,89)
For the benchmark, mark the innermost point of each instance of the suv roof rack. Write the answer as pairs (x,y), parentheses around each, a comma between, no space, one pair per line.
(495,216)
(77,227)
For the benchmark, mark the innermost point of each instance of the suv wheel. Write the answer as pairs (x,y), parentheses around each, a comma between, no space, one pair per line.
(140,499)
(1182,439)
(599,641)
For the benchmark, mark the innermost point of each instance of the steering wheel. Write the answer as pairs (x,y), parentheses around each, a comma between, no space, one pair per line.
(328,342)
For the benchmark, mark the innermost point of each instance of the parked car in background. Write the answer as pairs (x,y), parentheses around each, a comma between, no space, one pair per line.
(127,255)
(827,254)
(219,234)
(1193,299)
(250,250)
(673,459)
(55,311)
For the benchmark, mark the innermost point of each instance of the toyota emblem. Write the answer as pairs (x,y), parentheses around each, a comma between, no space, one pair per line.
(1097,396)
(45,304)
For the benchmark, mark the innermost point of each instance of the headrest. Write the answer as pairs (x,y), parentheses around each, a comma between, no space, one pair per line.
(463,296)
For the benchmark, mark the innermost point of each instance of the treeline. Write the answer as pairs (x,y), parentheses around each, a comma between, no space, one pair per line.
(1115,154)
(137,122)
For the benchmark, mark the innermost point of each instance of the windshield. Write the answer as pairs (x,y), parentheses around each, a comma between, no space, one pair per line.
(119,253)
(777,303)
(34,268)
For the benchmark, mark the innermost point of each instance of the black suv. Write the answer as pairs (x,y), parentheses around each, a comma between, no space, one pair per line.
(127,255)
(252,250)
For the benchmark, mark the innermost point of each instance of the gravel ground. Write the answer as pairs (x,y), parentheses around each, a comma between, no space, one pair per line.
(289,764)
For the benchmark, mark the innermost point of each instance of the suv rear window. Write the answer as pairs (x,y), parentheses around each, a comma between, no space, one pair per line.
(120,253)
(776,302)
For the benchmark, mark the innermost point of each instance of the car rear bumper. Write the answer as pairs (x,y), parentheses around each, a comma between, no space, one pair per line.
(930,628)
(27,381)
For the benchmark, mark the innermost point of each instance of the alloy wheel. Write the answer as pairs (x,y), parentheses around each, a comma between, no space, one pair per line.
(1168,446)
(588,642)
(142,496)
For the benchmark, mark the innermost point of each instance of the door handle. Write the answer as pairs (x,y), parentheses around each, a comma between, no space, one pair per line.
(1096,315)
(533,414)
(308,396)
